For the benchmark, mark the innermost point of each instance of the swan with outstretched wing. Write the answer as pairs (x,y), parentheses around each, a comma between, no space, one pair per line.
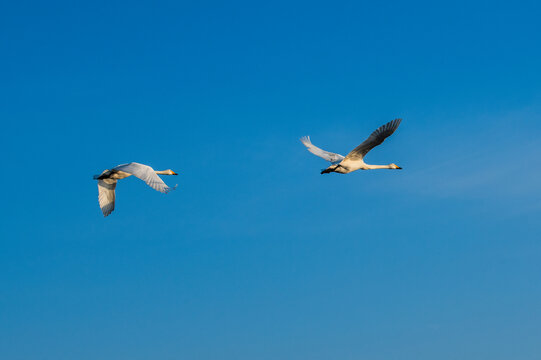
(108,178)
(355,159)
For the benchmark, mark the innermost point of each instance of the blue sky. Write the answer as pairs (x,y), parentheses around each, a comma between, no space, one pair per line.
(256,255)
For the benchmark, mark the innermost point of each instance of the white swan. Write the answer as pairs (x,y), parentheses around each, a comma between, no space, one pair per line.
(355,159)
(108,178)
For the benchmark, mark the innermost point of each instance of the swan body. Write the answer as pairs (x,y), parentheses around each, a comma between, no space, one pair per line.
(108,178)
(355,159)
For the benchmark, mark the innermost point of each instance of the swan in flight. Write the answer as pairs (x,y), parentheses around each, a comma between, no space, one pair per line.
(108,178)
(355,159)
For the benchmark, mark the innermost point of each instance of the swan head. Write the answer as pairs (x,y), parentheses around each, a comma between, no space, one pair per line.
(170,172)
(394,166)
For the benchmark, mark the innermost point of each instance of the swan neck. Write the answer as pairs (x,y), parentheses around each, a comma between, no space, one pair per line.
(371,167)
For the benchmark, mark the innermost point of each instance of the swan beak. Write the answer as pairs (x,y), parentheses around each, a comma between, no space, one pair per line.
(398,167)
(174,173)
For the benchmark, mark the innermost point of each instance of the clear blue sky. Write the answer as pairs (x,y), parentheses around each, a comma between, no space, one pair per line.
(256,255)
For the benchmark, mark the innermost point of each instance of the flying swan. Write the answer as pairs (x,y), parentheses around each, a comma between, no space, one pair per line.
(108,178)
(355,159)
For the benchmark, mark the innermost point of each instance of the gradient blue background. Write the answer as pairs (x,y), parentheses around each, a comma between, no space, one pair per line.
(257,255)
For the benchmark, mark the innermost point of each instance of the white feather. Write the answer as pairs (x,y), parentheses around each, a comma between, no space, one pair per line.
(329,156)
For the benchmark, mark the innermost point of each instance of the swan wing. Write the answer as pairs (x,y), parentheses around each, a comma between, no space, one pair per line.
(329,156)
(376,138)
(145,173)
(106,195)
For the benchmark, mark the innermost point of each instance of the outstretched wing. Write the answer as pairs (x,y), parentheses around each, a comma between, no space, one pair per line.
(329,156)
(376,138)
(145,173)
(106,195)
